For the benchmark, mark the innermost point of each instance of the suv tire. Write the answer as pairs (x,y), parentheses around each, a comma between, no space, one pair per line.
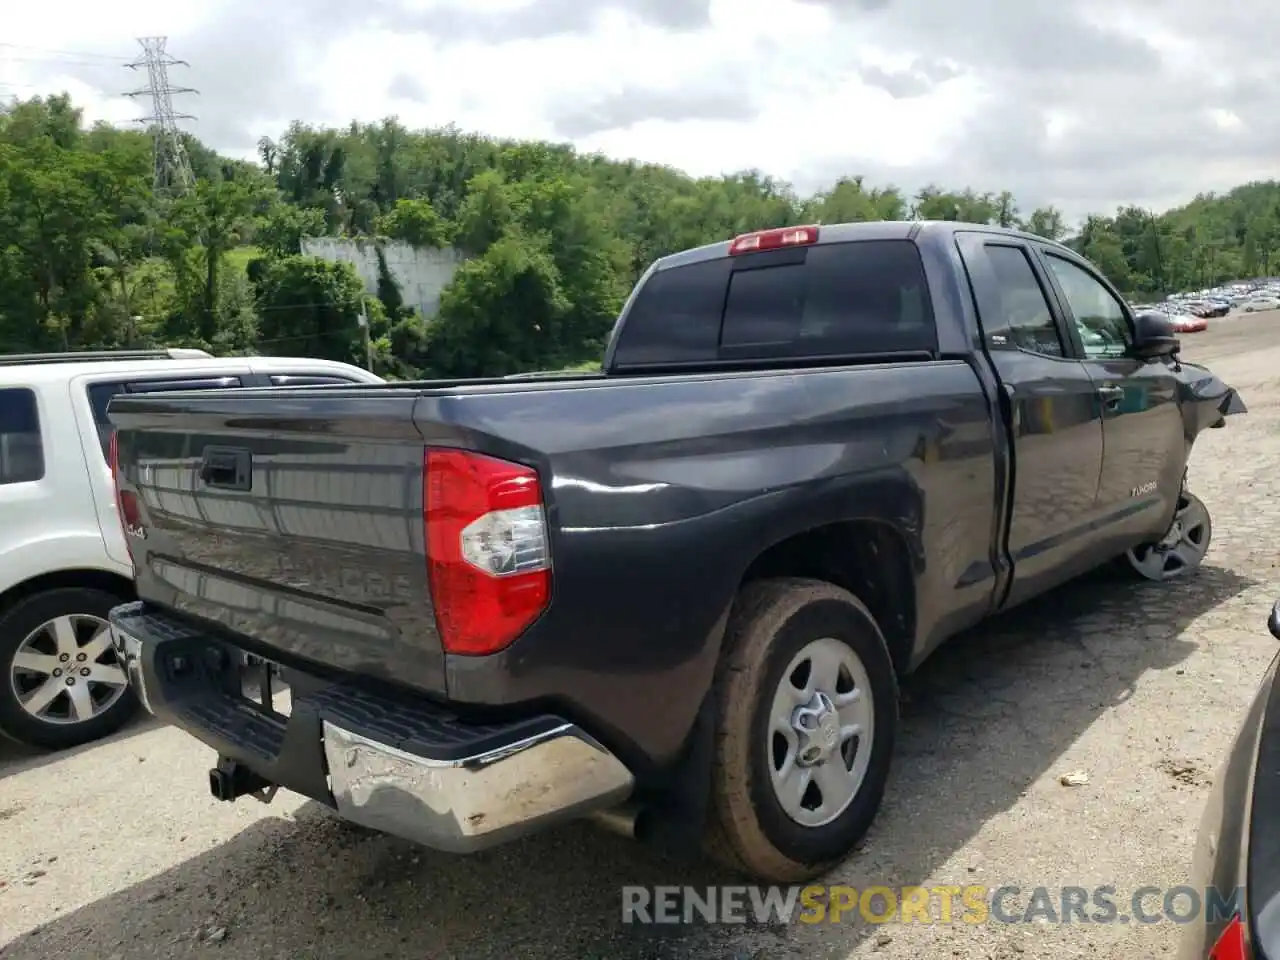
(30,627)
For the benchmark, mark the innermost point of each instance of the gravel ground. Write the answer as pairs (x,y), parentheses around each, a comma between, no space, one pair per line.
(117,850)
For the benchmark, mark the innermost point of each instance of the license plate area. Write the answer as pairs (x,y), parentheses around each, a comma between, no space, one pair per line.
(264,684)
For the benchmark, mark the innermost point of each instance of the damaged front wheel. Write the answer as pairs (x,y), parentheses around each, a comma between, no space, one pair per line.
(1183,547)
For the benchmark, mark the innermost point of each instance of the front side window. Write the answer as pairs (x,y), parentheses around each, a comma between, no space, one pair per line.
(21,448)
(1099,317)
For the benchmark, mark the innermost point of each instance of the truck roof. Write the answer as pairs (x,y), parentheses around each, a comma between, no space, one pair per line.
(846,232)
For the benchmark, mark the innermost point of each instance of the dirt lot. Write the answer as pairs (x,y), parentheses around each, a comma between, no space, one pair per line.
(117,851)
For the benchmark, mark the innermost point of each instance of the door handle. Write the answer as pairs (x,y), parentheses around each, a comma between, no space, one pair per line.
(1110,396)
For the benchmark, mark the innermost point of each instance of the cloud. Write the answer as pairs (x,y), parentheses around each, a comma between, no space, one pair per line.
(404,86)
(1084,105)
(538,19)
(624,109)
(913,81)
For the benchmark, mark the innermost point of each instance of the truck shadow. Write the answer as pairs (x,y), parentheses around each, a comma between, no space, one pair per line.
(994,710)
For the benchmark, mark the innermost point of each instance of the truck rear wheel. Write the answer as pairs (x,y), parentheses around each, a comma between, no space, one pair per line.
(807,713)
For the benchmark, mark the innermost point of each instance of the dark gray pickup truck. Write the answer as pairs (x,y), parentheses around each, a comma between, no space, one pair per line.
(677,596)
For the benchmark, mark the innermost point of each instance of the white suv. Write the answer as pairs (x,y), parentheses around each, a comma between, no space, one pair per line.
(63,561)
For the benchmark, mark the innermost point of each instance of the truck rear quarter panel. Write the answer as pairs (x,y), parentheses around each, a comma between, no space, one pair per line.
(662,492)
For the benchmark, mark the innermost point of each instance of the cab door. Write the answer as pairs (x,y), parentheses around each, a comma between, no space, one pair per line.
(1050,409)
(1145,448)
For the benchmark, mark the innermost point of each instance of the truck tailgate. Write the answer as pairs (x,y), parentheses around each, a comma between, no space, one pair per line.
(293,519)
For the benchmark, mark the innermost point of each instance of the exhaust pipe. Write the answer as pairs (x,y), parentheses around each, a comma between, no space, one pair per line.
(627,820)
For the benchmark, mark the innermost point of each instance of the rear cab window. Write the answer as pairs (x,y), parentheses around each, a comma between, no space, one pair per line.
(832,300)
(21,446)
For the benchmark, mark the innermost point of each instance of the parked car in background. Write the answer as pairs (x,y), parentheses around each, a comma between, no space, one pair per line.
(1184,323)
(1182,320)
(1237,858)
(63,558)
(1207,308)
(1258,304)
(676,595)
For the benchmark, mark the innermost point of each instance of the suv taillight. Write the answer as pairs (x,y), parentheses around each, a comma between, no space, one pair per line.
(126,500)
(488,556)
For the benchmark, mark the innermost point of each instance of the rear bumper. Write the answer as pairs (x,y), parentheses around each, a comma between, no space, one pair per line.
(404,766)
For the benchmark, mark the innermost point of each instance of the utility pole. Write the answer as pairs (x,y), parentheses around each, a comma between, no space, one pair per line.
(172,167)
(364,332)
(1155,239)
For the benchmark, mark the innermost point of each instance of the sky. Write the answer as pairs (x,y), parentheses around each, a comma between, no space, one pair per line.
(1081,104)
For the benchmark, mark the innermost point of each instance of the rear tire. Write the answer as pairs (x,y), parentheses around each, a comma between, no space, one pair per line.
(31,628)
(765,819)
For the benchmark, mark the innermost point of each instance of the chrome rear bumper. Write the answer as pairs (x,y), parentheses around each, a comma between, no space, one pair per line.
(405,766)
(476,802)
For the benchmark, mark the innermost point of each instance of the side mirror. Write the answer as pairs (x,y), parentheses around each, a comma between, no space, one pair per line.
(1153,336)
(1273,621)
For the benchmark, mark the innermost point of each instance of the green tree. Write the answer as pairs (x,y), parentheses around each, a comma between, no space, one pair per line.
(214,215)
(501,313)
(90,258)
(1046,222)
(414,222)
(280,231)
(310,307)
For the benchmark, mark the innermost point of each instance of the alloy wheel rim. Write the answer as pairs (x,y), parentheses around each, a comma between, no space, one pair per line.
(65,671)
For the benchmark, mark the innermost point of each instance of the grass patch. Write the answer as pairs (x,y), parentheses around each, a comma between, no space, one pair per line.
(238,258)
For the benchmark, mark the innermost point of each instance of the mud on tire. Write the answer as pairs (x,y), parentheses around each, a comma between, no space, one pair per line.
(773,622)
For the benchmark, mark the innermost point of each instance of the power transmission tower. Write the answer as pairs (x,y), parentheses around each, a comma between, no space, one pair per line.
(172,167)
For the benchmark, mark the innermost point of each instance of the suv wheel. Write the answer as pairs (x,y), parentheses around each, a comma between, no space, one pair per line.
(808,710)
(61,685)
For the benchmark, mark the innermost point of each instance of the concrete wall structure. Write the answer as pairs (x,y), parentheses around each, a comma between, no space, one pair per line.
(420,274)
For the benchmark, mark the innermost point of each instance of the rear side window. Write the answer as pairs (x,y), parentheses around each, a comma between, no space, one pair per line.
(1025,320)
(100,395)
(863,297)
(21,449)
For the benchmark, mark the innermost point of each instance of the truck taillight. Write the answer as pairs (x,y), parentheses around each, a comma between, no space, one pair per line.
(126,500)
(1231,944)
(488,558)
